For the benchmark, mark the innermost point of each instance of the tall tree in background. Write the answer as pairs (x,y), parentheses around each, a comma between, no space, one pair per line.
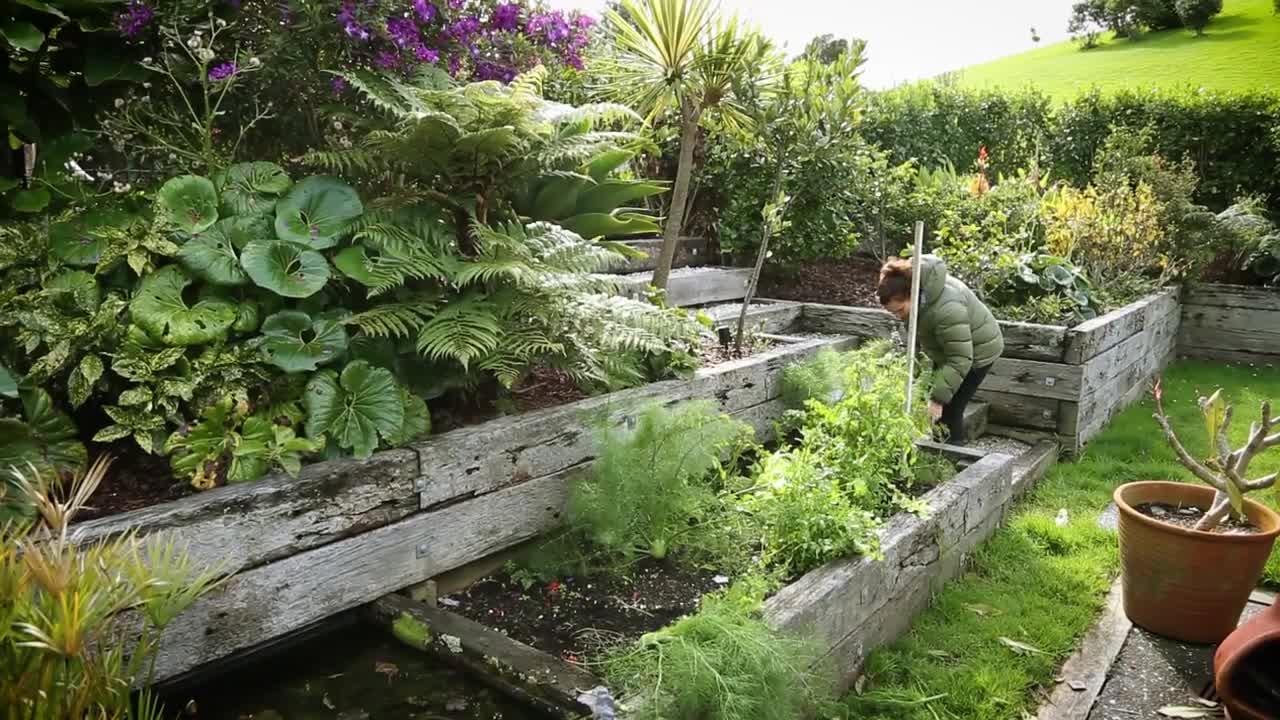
(674,58)
(816,105)
(1196,14)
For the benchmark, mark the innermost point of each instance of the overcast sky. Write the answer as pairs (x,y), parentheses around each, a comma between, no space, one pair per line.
(907,39)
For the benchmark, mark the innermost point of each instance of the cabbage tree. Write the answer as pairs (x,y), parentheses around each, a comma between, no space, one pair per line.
(675,57)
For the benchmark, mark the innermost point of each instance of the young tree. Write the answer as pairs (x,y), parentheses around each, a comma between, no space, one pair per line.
(815,106)
(1158,14)
(675,58)
(1196,14)
(1088,19)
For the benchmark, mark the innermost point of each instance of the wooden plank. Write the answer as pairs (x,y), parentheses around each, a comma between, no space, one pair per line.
(274,599)
(1235,357)
(1031,466)
(1103,368)
(1034,378)
(953,452)
(1242,320)
(1030,411)
(1261,344)
(1086,670)
(863,323)
(1032,341)
(766,316)
(546,682)
(245,525)
(1232,296)
(691,252)
(1030,436)
(695,286)
(472,461)
(1023,341)
(1092,337)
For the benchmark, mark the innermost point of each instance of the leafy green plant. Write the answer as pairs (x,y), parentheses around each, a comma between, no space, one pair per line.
(804,515)
(721,663)
(648,491)
(1045,288)
(229,445)
(818,378)
(61,648)
(44,439)
(362,407)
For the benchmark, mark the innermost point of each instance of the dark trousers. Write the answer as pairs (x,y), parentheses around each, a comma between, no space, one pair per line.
(953,412)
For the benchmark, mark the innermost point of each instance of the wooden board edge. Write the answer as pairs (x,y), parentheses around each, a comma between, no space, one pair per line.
(1090,664)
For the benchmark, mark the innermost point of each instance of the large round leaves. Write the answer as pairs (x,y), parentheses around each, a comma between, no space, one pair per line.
(317,211)
(160,309)
(285,268)
(189,203)
(211,255)
(252,188)
(356,408)
(79,241)
(293,342)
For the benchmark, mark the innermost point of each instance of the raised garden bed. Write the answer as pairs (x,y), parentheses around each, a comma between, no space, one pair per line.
(848,606)
(1232,323)
(1053,380)
(347,532)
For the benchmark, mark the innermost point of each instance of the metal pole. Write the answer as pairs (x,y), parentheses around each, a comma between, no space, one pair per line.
(916,251)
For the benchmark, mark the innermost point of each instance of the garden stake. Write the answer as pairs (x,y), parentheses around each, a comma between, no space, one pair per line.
(916,249)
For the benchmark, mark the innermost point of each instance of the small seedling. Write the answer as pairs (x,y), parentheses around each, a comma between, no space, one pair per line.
(1225,470)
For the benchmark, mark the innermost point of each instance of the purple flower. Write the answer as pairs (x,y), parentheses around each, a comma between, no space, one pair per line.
(486,70)
(403,32)
(339,85)
(426,54)
(133,18)
(387,60)
(456,4)
(550,26)
(584,22)
(425,10)
(218,73)
(455,64)
(506,17)
(352,27)
(464,28)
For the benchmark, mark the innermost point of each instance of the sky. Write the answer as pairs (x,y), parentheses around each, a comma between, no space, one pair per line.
(906,39)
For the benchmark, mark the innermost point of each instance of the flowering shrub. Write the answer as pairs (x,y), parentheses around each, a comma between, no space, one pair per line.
(471,39)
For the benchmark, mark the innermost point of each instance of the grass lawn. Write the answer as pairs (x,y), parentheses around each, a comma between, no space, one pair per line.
(1240,51)
(1040,584)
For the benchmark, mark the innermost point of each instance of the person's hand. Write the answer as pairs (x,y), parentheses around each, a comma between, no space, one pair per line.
(935,410)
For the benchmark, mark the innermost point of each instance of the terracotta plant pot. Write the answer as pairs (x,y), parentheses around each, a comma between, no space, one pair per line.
(1187,584)
(1254,646)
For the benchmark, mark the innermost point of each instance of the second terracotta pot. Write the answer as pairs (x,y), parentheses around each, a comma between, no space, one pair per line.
(1187,584)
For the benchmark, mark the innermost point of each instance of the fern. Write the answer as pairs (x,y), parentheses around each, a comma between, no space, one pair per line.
(463,331)
(399,320)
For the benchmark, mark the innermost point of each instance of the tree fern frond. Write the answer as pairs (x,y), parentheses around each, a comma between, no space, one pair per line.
(462,331)
(575,150)
(380,91)
(594,114)
(345,162)
(529,84)
(396,320)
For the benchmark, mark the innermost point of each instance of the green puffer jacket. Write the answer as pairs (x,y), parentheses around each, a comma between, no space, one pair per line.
(957,331)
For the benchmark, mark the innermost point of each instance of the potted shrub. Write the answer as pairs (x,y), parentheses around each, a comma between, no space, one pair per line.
(1191,554)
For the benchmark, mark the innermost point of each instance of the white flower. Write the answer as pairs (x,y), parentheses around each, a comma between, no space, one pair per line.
(146,85)
(146,98)
(204,54)
(119,103)
(193,42)
(221,23)
(337,124)
(254,62)
(147,60)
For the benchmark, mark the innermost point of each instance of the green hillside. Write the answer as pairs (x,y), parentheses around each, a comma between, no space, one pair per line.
(1240,51)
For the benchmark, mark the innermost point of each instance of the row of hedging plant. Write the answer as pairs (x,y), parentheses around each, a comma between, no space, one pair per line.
(688,486)
(1232,137)
(247,320)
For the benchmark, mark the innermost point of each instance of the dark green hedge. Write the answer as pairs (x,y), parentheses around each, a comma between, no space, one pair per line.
(1234,138)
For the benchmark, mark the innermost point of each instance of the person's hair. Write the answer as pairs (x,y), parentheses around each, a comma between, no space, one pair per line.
(895,281)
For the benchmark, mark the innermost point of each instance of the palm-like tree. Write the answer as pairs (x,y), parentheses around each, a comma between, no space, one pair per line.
(676,56)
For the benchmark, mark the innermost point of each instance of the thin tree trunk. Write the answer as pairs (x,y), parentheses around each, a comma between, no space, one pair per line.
(761,253)
(672,228)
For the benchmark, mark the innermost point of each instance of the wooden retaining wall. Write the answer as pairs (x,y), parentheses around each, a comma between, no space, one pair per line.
(1052,380)
(1231,323)
(348,532)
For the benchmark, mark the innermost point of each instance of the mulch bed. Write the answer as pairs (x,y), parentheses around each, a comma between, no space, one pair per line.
(579,617)
(1187,517)
(833,282)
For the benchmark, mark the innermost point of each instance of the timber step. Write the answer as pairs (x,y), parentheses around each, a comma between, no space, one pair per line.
(694,286)
(691,252)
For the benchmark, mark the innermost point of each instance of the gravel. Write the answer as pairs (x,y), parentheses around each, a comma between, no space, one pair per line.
(995,443)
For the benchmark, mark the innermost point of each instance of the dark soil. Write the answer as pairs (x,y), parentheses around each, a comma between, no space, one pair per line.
(713,353)
(136,480)
(579,617)
(833,282)
(1187,517)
